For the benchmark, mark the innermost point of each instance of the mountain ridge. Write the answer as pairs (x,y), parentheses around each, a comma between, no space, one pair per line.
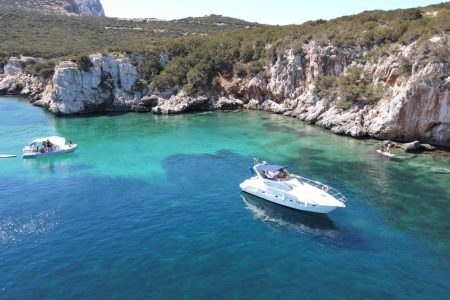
(214,19)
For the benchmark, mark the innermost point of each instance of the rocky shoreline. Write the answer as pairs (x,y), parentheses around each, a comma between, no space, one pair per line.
(413,107)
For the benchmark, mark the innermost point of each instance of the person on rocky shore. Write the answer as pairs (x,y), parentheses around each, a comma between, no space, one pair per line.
(389,147)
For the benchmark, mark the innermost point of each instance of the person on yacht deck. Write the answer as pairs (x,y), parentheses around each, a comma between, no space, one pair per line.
(270,175)
(284,174)
(49,145)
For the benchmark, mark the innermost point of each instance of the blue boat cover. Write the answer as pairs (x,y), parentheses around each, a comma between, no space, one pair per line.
(269,168)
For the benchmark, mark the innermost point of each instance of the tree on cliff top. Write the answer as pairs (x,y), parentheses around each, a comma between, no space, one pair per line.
(84,63)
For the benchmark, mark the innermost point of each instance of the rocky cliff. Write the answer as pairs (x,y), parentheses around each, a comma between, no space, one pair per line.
(66,7)
(413,105)
(85,8)
(14,81)
(108,84)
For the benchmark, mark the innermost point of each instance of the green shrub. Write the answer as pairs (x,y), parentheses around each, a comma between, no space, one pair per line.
(374,55)
(271,55)
(373,93)
(177,49)
(73,57)
(106,81)
(163,81)
(405,66)
(246,55)
(84,63)
(3,56)
(139,85)
(215,84)
(354,88)
(325,86)
(432,52)
(115,53)
(45,69)
(256,67)
(197,78)
(150,65)
(241,69)
(440,53)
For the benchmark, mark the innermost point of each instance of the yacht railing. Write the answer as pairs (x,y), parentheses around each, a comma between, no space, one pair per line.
(326,188)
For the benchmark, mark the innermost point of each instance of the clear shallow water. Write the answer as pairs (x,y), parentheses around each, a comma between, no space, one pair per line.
(149,207)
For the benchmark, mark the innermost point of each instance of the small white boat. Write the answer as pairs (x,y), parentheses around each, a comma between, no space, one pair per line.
(275,184)
(46,146)
(385,153)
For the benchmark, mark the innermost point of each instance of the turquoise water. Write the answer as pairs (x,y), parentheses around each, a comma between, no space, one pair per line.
(149,208)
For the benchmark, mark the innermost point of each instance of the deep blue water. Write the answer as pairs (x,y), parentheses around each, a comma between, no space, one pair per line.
(149,208)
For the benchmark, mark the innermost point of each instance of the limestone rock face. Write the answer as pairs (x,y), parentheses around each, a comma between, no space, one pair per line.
(64,7)
(85,8)
(181,103)
(227,104)
(411,146)
(107,85)
(14,81)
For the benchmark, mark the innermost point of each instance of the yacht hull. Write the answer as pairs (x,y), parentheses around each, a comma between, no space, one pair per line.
(282,198)
(68,149)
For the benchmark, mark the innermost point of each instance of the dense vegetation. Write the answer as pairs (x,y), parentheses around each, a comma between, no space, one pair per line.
(216,20)
(52,35)
(42,69)
(198,49)
(354,87)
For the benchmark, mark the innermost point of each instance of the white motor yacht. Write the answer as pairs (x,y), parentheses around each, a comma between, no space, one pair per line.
(275,184)
(46,146)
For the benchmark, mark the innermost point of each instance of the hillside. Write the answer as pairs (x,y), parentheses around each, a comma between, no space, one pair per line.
(196,61)
(217,20)
(53,35)
(49,35)
(64,7)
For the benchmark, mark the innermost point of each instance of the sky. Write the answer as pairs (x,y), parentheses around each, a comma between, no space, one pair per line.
(276,12)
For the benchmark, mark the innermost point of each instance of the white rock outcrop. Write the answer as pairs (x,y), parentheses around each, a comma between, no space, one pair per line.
(181,103)
(107,85)
(14,81)
(85,8)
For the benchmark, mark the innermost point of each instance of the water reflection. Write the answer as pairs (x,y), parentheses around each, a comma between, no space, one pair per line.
(279,216)
(17,228)
(56,164)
